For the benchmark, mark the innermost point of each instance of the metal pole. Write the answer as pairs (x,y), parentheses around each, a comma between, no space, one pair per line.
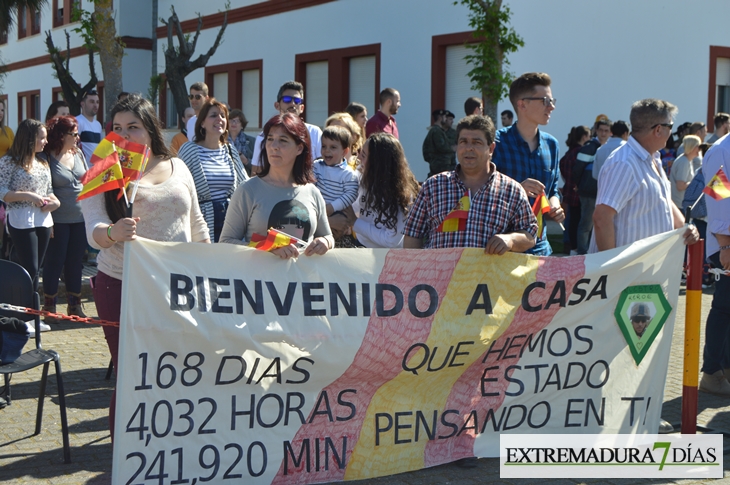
(692,316)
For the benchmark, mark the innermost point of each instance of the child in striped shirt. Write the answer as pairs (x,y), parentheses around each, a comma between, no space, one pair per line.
(337,182)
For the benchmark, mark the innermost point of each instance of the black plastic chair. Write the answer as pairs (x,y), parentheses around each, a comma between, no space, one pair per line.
(16,288)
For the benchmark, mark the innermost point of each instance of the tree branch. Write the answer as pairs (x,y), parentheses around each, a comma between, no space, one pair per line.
(197,34)
(202,60)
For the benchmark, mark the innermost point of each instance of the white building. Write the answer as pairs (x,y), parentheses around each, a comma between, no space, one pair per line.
(601,57)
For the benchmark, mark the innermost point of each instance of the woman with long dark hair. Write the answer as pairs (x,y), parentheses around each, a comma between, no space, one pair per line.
(577,137)
(68,244)
(387,190)
(25,185)
(283,196)
(165,209)
(214,163)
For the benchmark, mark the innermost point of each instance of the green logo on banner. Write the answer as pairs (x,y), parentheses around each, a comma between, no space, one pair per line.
(640,314)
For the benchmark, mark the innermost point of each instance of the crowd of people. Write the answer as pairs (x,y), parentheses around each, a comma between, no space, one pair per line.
(350,185)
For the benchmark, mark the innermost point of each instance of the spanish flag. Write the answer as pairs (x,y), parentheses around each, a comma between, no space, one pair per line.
(456,219)
(273,240)
(719,187)
(103,176)
(540,208)
(131,155)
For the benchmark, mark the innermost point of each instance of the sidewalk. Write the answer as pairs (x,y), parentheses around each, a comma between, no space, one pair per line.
(28,459)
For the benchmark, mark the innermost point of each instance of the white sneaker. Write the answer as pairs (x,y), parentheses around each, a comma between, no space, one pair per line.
(715,384)
(31,327)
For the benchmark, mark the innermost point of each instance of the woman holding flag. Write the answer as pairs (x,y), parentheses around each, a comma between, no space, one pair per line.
(166,209)
(282,198)
(68,244)
(25,185)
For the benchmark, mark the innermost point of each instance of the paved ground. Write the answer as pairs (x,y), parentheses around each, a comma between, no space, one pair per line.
(28,459)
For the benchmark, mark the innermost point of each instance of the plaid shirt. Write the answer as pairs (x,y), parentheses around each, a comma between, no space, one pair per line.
(513,158)
(499,207)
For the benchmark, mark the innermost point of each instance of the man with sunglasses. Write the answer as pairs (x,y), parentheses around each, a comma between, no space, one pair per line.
(634,196)
(289,99)
(198,96)
(528,155)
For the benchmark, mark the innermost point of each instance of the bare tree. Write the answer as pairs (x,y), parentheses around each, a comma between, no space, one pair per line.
(73,92)
(177,59)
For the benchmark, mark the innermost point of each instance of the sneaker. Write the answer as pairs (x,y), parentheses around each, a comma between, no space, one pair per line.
(665,427)
(45,327)
(715,384)
(30,326)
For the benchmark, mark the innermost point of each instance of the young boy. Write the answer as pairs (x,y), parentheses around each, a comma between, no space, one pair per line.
(335,180)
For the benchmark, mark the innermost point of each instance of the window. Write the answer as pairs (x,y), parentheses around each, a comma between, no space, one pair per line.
(239,85)
(3,36)
(4,100)
(62,11)
(334,78)
(450,84)
(56,94)
(29,105)
(29,22)
(718,95)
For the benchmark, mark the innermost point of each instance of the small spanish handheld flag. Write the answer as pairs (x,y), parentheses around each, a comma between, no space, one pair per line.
(103,176)
(719,187)
(131,155)
(273,240)
(540,208)
(456,219)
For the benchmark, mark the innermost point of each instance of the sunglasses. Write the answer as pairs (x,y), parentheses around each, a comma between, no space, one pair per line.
(75,135)
(289,99)
(545,100)
(195,96)
(668,125)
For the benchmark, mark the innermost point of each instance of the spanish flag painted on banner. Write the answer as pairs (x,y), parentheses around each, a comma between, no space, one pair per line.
(103,176)
(131,155)
(273,240)
(719,186)
(540,208)
(456,219)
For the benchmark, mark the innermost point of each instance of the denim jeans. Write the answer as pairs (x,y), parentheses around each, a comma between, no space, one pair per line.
(717,329)
(585,226)
(220,207)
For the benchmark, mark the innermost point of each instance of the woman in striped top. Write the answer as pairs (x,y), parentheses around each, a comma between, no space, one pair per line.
(215,165)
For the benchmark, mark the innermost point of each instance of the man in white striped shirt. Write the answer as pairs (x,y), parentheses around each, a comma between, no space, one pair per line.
(634,198)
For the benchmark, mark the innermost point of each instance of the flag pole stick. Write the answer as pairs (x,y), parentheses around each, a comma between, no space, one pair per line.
(698,199)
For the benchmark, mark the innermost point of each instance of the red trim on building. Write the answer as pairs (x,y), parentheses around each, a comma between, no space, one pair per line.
(716,52)
(142,43)
(338,73)
(439,43)
(241,14)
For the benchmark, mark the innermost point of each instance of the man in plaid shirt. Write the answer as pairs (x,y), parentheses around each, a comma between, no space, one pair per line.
(499,217)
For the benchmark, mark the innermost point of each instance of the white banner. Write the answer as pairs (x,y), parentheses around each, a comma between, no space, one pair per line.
(362,363)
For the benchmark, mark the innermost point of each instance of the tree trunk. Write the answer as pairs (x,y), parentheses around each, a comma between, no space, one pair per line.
(110,52)
(72,90)
(490,100)
(177,60)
